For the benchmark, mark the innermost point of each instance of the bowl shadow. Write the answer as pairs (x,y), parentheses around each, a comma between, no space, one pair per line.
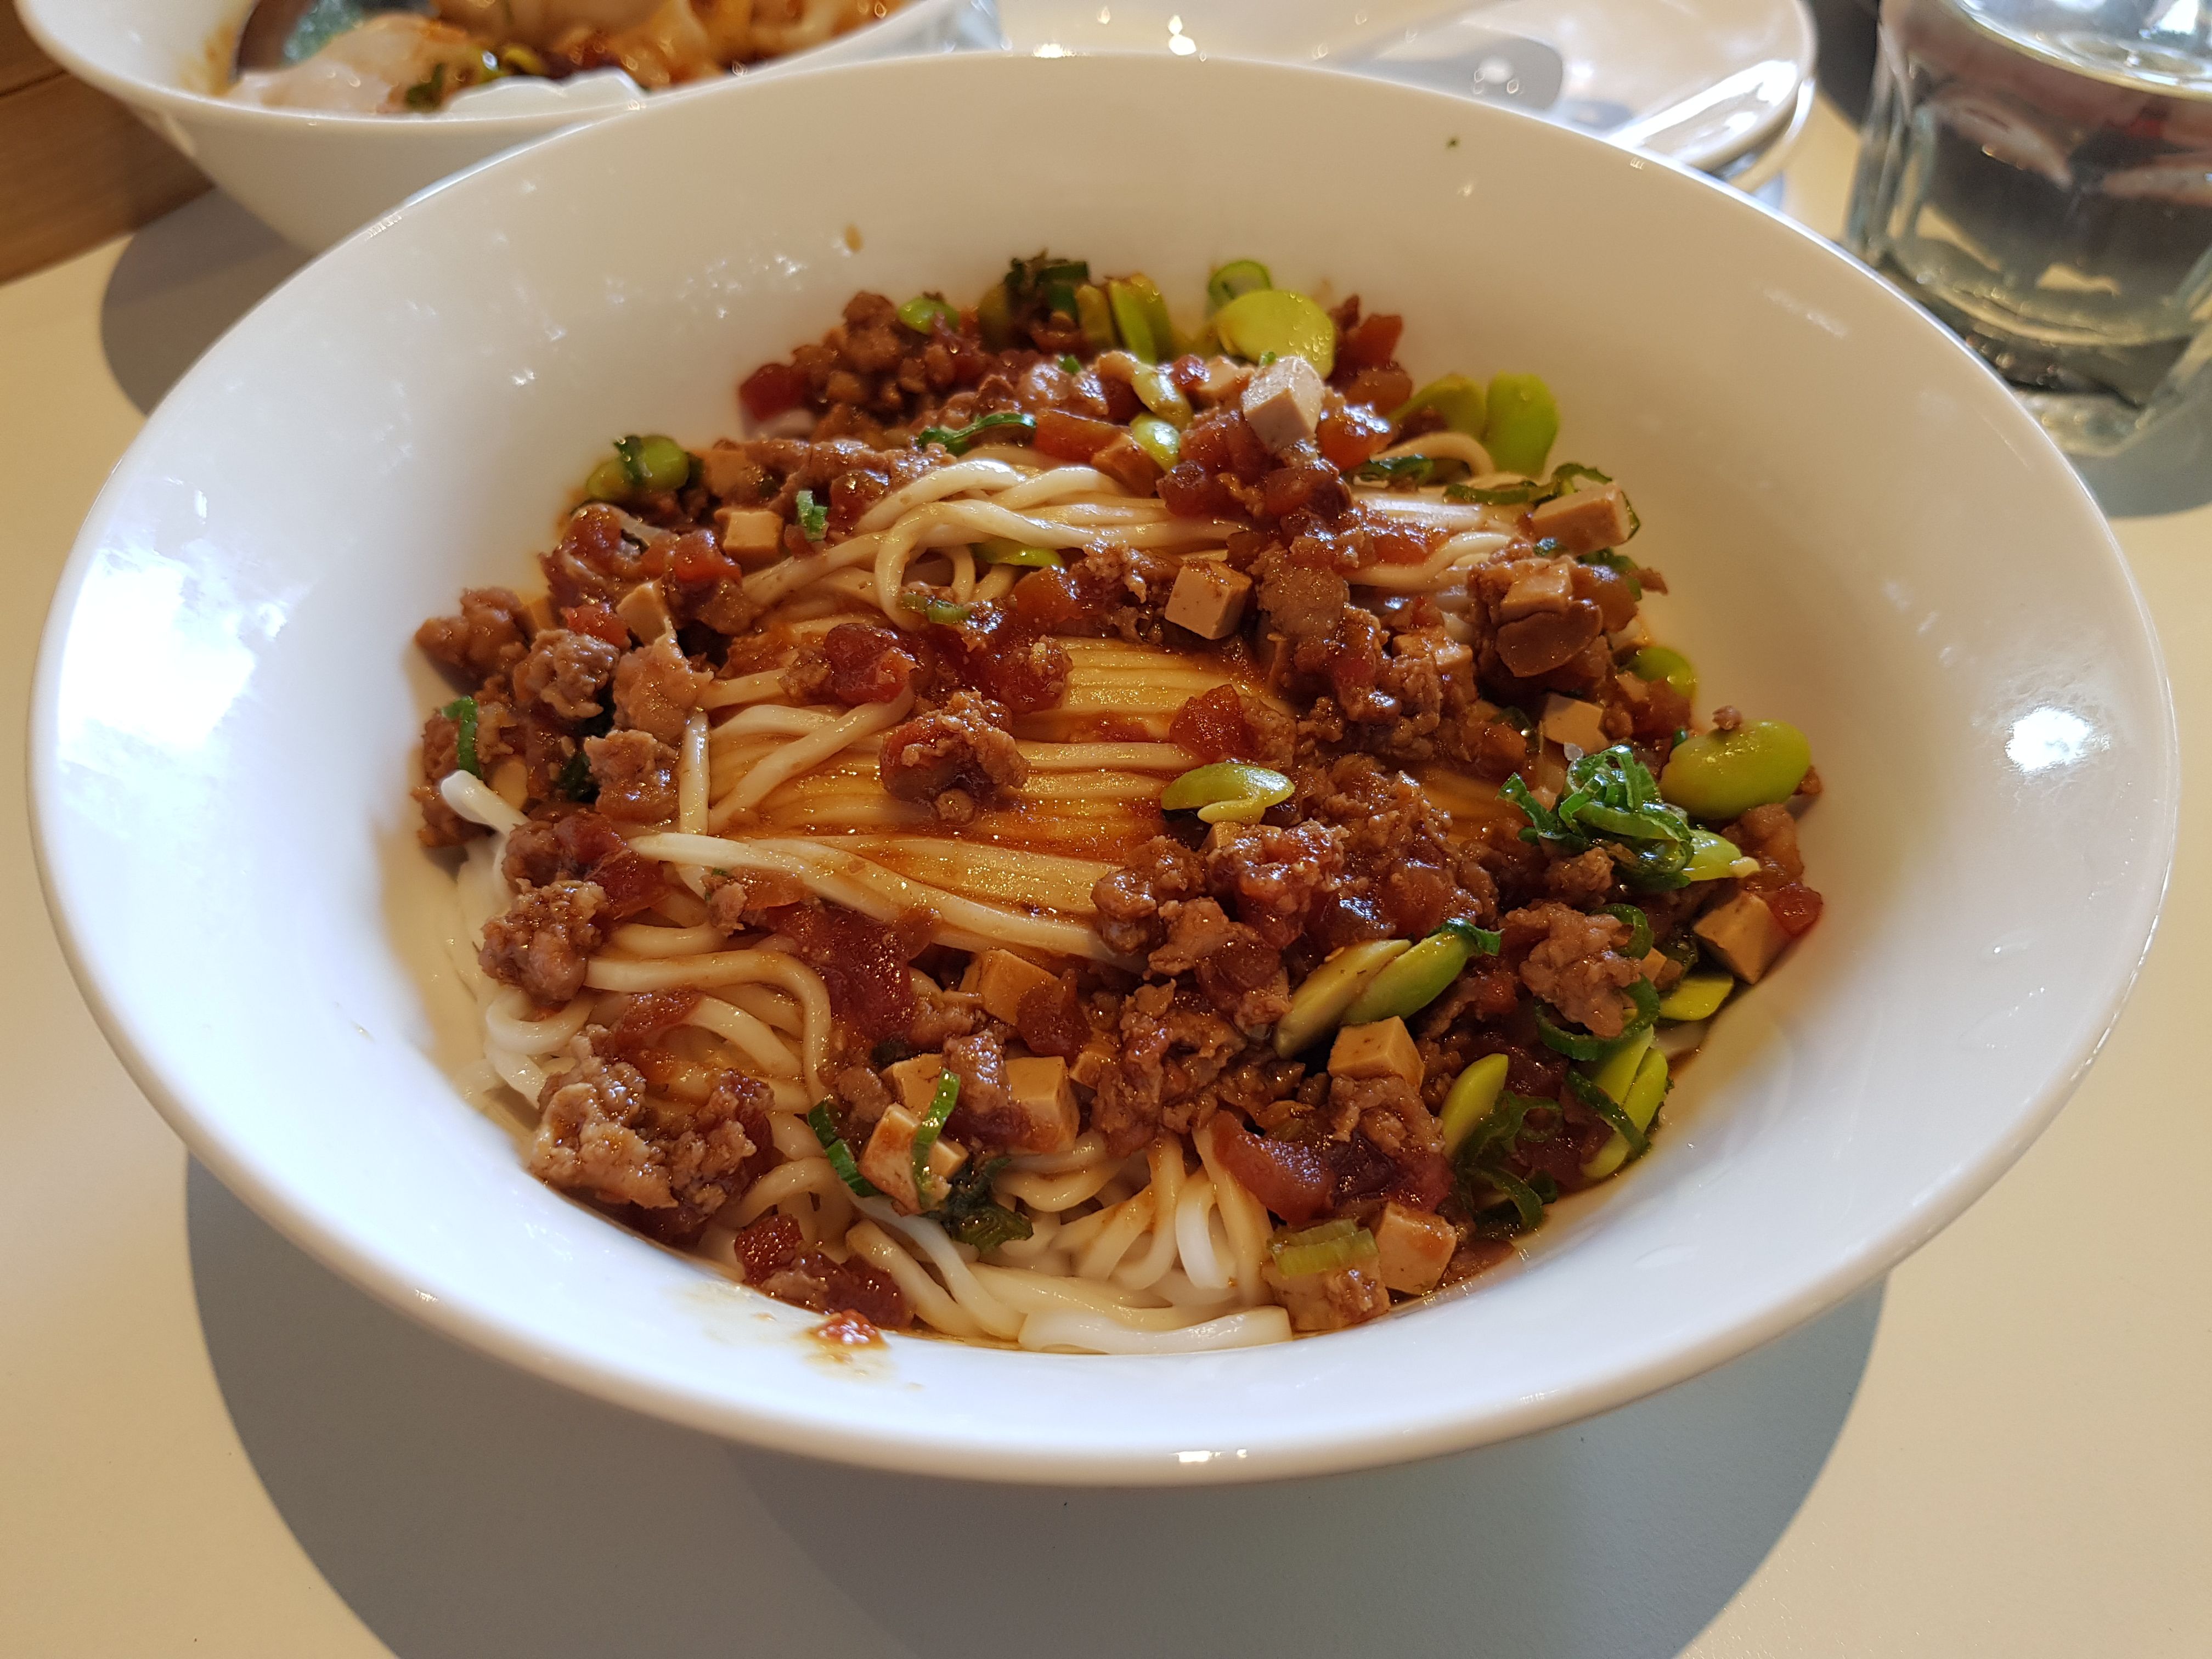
(462,1507)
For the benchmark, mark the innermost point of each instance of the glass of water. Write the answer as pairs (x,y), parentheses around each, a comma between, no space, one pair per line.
(2038,175)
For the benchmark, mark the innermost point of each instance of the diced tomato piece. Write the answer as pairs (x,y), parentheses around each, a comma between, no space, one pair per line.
(1795,907)
(1290,1177)
(1212,726)
(772,389)
(1371,343)
(1067,437)
(1354,436)
(598,621)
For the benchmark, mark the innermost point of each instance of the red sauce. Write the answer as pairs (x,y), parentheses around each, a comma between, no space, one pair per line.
(863,964)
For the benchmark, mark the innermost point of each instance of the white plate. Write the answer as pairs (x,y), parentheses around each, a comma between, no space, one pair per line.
(1699,82)
(1864,531)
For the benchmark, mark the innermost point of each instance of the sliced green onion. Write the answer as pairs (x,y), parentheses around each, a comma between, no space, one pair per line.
(1317,1006)
(1095,316)
(1233,792)
(813,517)
(1159,440)
(994,318)
(839,1154)
(1422,975)
(1570,475)
(462,711)
(1235,280)
(1575,1045)
(1639,929)
(932,1125)
(945,613)
(1140,316)
(1522,423)
(958,439)
(1472,1098)
(1528,1203)
(1459,400)
(1639,1106)
(1274,321)
(1161,395)
(1606,1107)
(1070,363)
(1325,1248)
(921,312)
(1696,996)
(998,550)
(1659,662)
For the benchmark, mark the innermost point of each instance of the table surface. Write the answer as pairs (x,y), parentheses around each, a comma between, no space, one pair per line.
(209,1445)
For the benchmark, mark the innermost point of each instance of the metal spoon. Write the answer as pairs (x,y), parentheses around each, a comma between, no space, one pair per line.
(281,32)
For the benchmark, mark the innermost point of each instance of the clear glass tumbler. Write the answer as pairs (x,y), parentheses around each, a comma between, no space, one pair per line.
(2038,175)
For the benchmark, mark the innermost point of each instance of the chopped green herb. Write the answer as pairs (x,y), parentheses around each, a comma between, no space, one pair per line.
(1609,1108)
(1520,495)
(958,439)
(1412,470)
(1612,801)
(839,1154)
(1235,280)
(933,1124)
(813,517)
(1070,363)
(428,95)
(462,711)
(973,1216)
(1639,929)
(576,781)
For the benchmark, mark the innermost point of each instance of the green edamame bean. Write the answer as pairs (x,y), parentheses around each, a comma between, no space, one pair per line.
(1462,403)
(660,463)
(1719,775)
(1640,1105)
(1275,320)
(1711,856)
(1471,1099)
(1521,424)
(1317,1006)
(1095,316)
(1660,662)
(920,314)
(1697,996)
(610,481)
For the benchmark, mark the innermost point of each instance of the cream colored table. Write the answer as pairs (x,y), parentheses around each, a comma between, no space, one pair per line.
(209,1445)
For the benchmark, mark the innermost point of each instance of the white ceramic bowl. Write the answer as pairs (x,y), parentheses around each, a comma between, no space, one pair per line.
(1865,535)
(316,177)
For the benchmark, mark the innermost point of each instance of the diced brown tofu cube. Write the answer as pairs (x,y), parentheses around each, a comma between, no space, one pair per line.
(1633,636)
(1044,1097)
(1384,1049)
(889,1161)
(724,468)
(1591,518)
(540,615)
(1002,980)
(915,1081)
(1331,1301)
(1744,934)
(1093,1065)
(749,534)
(1549,586)
(1415,1248)
(645,613)
(1572,720)
(1126,462)
(1208,599)
(1282,402)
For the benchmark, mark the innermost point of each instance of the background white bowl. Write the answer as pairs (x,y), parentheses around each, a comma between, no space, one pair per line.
(1865,534)
(315,178)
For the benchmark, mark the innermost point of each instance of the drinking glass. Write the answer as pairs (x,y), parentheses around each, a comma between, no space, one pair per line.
(2038,175)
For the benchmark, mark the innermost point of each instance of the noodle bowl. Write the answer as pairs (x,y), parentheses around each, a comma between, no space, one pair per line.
(1094,849)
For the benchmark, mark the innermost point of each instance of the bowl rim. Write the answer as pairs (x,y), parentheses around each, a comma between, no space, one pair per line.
(208,109)
(880,1444)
